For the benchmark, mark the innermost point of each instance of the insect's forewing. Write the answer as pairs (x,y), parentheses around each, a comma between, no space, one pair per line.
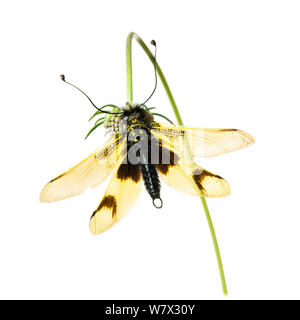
(88,173)
(186,176)
(201,142)
(121,194)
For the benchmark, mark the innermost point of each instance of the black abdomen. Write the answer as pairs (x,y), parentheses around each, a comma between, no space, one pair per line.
(142,152)
(152,183)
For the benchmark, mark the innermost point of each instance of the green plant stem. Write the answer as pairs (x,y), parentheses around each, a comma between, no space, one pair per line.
(215,242)
(131,36)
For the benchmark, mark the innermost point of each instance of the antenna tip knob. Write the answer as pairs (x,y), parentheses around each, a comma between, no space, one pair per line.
(153,43)
(62,76)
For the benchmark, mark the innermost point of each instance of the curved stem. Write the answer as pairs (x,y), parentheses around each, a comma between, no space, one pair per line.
(131,36)
(215,242)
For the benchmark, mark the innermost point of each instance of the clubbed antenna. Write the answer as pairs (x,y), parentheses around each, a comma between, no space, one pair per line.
(63,78)
(155,73)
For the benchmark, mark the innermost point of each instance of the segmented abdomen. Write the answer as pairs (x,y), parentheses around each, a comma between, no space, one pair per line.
(151,180)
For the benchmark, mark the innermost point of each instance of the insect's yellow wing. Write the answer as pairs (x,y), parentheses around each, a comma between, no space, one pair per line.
(186,176)
(201,142)
(88,173)
(121,194)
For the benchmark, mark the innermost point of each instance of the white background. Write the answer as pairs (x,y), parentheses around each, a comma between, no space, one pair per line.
(229,64)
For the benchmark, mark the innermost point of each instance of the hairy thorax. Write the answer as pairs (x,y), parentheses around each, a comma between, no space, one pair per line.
(132,117)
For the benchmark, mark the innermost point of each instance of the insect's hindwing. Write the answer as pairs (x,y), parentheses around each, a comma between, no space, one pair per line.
(201,142)
(186,176)
(121,194)
(88,173)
